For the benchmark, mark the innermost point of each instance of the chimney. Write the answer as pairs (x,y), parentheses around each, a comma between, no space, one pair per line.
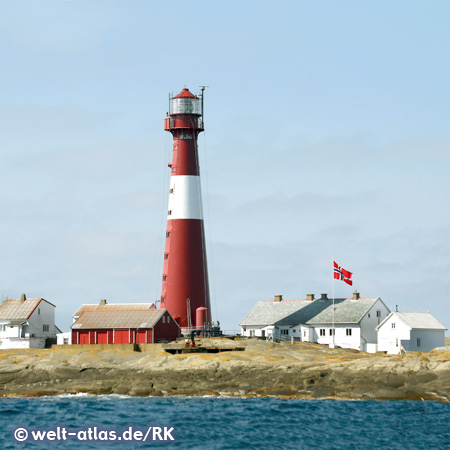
(355,295)
(103,301)
(323,296)
(23,298)
(310,297)
(278,298)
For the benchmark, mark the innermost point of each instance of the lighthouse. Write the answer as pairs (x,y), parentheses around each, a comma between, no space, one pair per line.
(185,289)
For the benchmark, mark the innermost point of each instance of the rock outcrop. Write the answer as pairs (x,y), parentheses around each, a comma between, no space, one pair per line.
(300,370)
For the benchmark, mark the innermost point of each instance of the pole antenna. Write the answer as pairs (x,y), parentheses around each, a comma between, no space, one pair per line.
(203,94)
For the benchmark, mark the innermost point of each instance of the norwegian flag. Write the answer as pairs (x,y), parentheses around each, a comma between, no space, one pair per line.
(342,274)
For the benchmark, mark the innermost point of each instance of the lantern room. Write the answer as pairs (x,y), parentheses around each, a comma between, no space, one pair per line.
(185,111)
(185,103)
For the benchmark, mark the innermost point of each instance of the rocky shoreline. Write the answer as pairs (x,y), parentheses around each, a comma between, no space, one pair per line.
(298,370)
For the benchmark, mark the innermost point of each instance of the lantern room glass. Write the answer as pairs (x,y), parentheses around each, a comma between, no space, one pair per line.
(186,106)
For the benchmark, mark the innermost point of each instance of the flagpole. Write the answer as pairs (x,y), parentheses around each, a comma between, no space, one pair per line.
(333,305)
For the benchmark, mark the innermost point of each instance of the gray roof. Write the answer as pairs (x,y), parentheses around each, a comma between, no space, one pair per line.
(416,320)
(269,312)
(16,309)
(346,310)
(315,312)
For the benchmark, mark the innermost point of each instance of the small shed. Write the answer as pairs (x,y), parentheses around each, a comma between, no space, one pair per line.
(414,331)
(120,325)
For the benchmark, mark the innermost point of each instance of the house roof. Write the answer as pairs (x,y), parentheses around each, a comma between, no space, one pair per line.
(16,309)
(308,312)
(268,312)
(416,320)
(119,318)
(114,307)
(346,310)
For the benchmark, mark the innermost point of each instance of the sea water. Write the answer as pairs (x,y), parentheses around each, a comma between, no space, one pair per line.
(225,423)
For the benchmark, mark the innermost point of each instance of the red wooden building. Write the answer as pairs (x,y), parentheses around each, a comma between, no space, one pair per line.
(138,323)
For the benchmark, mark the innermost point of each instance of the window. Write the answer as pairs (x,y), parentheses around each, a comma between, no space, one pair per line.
(166,255)
(348,331)
(164,319)
(322,331)
(66,341)
(378,312)
(168,234)
(304,333)
(332,331)
(293,331)
(169,212)
(39,310)
(368,315)
(418,342)
(164,277)
(396,342)
(171,191)
(284,332)
(168,319)
(393,325)
(45,328)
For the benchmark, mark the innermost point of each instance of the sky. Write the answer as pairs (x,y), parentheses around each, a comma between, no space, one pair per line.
(326,137)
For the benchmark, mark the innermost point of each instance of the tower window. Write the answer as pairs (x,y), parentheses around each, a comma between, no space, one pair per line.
(164,277)
(171,191)
(169,212)
(166,255)
(168,234)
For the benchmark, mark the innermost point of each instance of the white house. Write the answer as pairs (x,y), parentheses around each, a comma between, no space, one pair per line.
(64,338)
(311,320)
(27,323)
(414,331)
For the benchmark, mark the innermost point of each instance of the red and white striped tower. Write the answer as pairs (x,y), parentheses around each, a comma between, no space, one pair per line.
(185,275)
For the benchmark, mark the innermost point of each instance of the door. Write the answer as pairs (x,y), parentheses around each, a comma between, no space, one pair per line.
(121,336)
(84,337)
(142,337)
(102,337)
